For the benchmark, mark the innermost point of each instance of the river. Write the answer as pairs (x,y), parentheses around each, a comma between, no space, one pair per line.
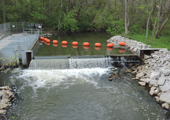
(78,93)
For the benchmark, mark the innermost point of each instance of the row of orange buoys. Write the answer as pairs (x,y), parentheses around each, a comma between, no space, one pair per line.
(76,43)
(85,44)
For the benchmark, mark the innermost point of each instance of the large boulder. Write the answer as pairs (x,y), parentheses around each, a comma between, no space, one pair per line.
(163,51)
(165,87)
(164,70)
(153,82)
(142,83)
(152,90)
(155,75)
(161,81)
(165,105)
(147,57)
(145,80)
(2,111)
(165,97)
(139,75)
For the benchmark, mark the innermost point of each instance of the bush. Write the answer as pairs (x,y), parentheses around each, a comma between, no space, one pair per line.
(135,28)
(69,22)
(117,27)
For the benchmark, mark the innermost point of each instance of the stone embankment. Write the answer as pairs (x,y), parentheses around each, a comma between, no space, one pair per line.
(155,72)
(132,45)
(47,35)
(5,97)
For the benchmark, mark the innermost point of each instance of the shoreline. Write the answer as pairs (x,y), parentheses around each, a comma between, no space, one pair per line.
(154,72)
(6,95)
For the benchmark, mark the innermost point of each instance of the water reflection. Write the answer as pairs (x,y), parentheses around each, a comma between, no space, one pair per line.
(86,47)
(92,38)
(121,50)
(64,46)
(75,46)
(97,48)
(54,44)
(109,49)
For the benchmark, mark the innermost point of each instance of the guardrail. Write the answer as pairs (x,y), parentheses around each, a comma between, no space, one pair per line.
(32,39)
(19,27)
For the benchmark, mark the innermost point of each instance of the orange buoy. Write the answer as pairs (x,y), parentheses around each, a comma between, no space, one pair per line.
(55,42)
(48,41)
(41,38)
(86,44)
(109,48)
(45,39)
(75,43)
(64,42)
(86,47)
(98,44)
(64,46)
(122,43)
(122,50)
(75,46)
(97,48)
(110,45)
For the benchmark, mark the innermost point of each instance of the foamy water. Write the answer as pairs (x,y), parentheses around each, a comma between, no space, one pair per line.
(80,94)
(67,77)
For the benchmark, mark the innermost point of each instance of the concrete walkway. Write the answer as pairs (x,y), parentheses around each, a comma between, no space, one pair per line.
(16,45)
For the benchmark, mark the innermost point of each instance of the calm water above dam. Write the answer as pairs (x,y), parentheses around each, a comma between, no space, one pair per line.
(51,49)
(78,89)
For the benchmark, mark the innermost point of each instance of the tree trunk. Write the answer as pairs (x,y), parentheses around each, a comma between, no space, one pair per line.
(153,31)
(149,18)
(163,24)
(162,20)
(3,10)
(126,18)
(59,18)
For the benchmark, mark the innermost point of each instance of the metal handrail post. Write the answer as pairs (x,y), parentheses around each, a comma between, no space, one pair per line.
(22,27)
(41,29)
(9,28)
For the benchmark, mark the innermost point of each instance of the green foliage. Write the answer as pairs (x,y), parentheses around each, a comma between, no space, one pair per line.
(8,63)
(37,16)
(69,22)
(162,42)
(79,15)
(13,117)
(117,27)
(135,29)
(144,8)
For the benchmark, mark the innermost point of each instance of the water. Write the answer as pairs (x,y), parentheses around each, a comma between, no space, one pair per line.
(78,88)
(48,64)
(59,49)
(79,94)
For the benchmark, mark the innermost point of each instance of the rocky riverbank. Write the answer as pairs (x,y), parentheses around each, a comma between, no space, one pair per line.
(132,45)
(155,72)
(5,97)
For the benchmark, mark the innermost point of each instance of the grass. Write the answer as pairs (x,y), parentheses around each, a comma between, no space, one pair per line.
(161,42)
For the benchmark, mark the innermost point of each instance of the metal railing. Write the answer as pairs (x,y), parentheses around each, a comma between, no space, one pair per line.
(31,38)
(4,30)
(20,43)
(19,27)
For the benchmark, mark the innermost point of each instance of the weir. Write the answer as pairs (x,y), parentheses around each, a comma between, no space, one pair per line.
(80,63)
(50,64)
